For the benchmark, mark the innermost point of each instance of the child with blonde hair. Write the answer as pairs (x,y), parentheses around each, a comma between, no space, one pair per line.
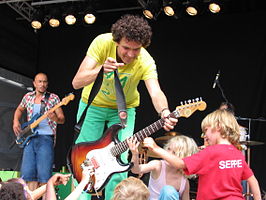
(131,189)
(164,177)
(220,166)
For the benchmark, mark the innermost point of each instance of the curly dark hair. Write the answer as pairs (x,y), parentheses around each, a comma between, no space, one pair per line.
(10,191)
(133,28)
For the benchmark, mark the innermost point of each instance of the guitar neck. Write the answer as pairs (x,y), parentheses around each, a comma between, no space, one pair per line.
(36,123)
(141,135)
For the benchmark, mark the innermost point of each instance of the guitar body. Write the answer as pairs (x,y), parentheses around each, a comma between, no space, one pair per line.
(104,154)
(27,133)
(99,155)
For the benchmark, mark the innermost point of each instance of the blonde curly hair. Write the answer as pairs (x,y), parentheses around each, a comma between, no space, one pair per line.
(226,122)
(131,188)
(182,146)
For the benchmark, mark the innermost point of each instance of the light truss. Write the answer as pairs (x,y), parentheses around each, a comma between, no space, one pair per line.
(23,8)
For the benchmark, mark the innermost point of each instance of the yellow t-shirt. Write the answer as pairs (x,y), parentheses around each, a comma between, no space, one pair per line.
(142,68)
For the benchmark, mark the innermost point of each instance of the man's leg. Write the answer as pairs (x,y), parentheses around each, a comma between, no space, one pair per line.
(92,130)
(28,167)
(45,158)
(122,135)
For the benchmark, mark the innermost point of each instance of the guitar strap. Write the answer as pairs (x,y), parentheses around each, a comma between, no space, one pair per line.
(44,102)
(94,90)
(120,99)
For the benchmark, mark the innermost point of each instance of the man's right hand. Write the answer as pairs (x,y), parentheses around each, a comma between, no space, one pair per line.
(16,128)
(111,65)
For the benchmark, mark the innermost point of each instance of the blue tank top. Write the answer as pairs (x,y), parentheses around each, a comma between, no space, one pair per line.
(43,128)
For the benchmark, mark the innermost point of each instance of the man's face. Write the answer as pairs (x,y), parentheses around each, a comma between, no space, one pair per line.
(128,51)
(40,83)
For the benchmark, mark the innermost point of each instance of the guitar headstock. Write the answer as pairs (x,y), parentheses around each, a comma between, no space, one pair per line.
(67,99)
(190,106)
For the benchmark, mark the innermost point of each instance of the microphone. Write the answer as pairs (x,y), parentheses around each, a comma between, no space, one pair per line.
(216,79)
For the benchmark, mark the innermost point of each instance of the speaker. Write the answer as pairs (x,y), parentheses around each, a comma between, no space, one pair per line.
(13,87)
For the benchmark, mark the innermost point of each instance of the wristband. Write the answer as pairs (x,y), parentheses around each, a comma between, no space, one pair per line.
(160,113)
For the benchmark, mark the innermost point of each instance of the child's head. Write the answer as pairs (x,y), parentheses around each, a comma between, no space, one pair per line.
(11,190)
(181,146)
(225,122)
(131,188)
(23,183)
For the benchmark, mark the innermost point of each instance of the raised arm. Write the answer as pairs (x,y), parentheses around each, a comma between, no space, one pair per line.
(86,176)
(56,179)
(138,168)
(86,73)
(170,158)
(160,102)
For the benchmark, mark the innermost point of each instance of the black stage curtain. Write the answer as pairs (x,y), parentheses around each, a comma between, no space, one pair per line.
(188,52)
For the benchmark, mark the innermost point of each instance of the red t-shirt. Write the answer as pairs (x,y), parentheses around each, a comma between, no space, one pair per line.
(220,169)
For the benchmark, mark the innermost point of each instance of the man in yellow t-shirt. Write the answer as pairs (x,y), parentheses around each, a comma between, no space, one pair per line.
(122,49)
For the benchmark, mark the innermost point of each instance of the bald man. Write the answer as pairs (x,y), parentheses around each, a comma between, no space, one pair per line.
(38,153)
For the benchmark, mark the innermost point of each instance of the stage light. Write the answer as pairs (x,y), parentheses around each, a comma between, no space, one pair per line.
(54,18)
(70,18)
(89,15)
(168,7)
(36,24)
(36,20)
(215,6)
(54,22)
(148,14)
(191,10)
(168,10)
(89,18)
(152,9)
(193,7)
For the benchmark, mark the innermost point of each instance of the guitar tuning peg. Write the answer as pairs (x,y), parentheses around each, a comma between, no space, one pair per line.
(200,98)
(189,101)
(197,99)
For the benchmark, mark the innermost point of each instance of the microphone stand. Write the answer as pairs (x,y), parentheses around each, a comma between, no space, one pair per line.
(221,89)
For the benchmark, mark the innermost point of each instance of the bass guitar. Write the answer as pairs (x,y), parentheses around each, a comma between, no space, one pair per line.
(28,128)
(104,154)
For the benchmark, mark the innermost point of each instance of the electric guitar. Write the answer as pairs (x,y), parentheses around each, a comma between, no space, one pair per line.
(28,128)
(104,154)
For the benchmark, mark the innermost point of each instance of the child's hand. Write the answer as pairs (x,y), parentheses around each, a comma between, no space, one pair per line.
(58,179)
(133,145)
(87,173)
(150,144)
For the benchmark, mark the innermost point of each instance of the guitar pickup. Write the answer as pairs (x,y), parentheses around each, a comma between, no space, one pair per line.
(90,162)
(94,163)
